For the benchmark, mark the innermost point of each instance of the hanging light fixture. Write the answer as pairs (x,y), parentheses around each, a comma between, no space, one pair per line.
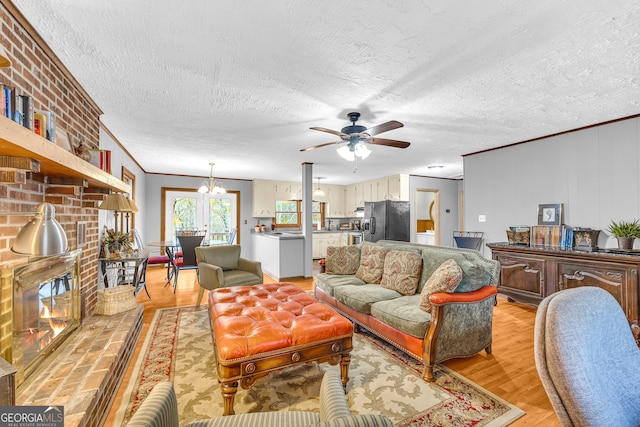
(350,152)
(318,192)
(211,186)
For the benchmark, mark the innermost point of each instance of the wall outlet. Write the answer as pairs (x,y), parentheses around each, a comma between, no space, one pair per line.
(482,218)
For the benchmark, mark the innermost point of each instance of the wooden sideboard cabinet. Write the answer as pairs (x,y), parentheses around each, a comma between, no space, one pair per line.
(529,274)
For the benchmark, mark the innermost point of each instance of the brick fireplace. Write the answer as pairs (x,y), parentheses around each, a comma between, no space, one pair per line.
(41,308)
(84,373)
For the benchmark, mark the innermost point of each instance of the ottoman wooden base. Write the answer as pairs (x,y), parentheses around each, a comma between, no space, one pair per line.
(261,329)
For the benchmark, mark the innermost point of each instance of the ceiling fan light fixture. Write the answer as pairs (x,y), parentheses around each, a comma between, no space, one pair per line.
(360,150)
(346,153)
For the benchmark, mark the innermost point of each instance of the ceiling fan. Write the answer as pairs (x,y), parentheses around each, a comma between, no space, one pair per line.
(354,135)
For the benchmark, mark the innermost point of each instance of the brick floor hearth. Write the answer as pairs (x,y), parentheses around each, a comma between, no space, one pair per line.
(85,373)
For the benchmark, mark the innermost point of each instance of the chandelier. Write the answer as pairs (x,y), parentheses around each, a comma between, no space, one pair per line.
(211,186)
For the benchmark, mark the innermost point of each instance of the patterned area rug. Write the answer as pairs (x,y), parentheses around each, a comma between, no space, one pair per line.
(383,380)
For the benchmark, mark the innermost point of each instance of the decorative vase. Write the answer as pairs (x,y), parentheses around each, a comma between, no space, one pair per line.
(625,242)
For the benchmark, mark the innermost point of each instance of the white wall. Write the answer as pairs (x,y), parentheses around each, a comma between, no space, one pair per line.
(118,159)
(592,172)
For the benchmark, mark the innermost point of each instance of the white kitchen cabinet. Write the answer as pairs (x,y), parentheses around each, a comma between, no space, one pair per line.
(399,187)
(367,193)
(321,241)
(263,198)
(336,200)
(382,189)
(281,258)
(350,200)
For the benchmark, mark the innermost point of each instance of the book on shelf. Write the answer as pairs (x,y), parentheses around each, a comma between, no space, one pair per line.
(546,235)
(519,228)
(3,101)
(27,111)
(7,103)
(100,159)
(49,124)
(40,124)
(16,108)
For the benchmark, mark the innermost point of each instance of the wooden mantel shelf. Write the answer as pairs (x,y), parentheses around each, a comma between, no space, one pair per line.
(16,140)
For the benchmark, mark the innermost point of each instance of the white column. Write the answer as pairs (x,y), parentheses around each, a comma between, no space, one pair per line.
(307,217)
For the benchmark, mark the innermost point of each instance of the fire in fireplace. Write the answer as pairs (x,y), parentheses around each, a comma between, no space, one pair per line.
(39,309)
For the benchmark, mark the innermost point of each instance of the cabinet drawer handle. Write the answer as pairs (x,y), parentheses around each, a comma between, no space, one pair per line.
(527,268)
(580,275)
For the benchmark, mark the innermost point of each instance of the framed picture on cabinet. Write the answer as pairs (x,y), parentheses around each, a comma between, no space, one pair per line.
(550,214)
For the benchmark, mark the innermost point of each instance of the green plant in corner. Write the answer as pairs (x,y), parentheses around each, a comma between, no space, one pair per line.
(625,228)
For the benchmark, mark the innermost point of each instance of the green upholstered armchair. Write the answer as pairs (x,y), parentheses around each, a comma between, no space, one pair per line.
(160,409)
(221,267)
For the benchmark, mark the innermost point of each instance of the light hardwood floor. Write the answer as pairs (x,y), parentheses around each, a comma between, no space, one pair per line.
(508,372)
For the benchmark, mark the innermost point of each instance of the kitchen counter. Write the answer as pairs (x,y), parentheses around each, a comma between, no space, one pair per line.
(285,235)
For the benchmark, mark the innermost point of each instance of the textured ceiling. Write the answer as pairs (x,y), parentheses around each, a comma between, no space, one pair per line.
(239,83)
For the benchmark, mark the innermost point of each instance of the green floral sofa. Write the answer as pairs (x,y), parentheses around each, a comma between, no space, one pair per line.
(432,302)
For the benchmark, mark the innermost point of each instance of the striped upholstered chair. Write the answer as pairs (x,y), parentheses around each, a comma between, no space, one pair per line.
(160,409)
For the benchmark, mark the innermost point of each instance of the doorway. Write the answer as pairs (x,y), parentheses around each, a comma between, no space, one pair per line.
(427,210)
(216,214)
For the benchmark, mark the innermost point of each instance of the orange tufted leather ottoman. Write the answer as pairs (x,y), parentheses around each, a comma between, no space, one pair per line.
(264,328)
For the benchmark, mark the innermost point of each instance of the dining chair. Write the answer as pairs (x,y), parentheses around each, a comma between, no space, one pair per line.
(188,245)
(154,259)
(232,236)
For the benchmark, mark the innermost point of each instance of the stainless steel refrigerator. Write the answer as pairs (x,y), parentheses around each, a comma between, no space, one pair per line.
(388,220)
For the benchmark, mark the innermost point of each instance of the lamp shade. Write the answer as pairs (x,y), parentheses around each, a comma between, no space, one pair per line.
(134,207)
(115,202)
(43,235)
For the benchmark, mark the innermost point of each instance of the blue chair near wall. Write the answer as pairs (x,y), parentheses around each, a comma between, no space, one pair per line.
(587,358)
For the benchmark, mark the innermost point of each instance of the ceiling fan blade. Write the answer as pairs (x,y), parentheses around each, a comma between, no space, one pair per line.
(321,145)
(383,127)
(388,142)
(335,132)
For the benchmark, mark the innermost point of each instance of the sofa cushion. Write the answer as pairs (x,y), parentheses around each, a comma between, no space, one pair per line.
(329,282)
(402,271)
(371,263)
(404,314)
(342,259)
(360,298)
(445,279)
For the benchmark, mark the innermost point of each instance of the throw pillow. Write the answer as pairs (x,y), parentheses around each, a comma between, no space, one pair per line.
(342,259)
(402,271)
(371,263)
(445,279)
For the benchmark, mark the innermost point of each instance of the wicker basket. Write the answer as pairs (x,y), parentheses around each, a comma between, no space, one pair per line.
(115,300)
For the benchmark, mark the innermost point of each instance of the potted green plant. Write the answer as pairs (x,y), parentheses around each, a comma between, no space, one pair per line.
(625,231)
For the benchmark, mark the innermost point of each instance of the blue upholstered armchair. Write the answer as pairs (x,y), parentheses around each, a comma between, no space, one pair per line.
(587,358)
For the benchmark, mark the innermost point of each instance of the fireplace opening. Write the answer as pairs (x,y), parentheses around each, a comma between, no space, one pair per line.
(40,308)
